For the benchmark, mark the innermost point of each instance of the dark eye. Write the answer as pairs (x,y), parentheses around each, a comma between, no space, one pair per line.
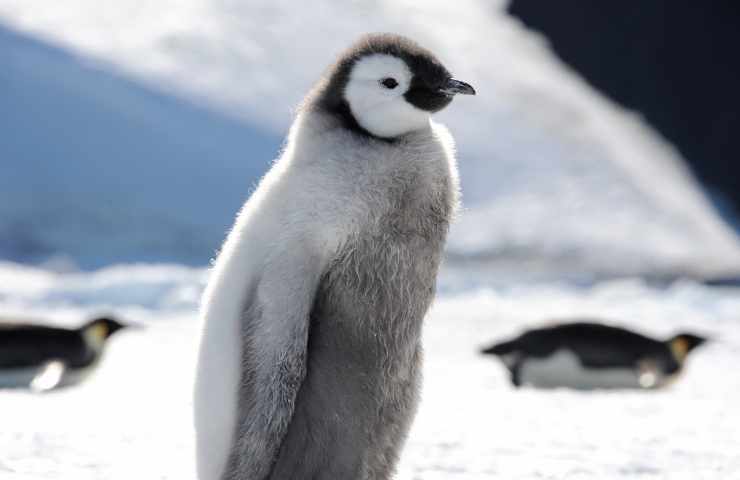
(389,83)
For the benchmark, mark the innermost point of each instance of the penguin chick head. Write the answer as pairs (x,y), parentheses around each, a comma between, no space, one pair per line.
(684,343)
(386,85)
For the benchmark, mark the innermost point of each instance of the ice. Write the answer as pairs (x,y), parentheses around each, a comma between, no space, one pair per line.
(551,169)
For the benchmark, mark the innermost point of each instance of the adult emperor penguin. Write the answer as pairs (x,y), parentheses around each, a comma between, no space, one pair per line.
(42,358)
(588,355)
(309,361)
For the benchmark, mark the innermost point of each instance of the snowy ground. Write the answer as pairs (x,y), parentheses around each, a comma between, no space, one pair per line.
(132,419)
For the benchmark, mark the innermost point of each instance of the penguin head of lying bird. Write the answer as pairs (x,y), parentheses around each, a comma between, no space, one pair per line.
(385,86)
(683,343)
(98,330)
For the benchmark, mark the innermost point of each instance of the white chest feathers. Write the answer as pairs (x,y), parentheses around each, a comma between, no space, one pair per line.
(563,369)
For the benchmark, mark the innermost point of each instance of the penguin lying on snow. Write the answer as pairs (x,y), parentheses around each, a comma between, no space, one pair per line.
(42,358)
(590,355)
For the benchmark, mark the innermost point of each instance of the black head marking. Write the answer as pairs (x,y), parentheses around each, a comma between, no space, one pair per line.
(429,76)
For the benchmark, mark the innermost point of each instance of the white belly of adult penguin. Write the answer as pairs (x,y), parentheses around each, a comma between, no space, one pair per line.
(310,357)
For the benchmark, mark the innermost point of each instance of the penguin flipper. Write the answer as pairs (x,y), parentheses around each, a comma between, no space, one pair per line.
(516,374)
(275,326)
(49,376)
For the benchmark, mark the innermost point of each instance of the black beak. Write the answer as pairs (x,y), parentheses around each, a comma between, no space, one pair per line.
(453,87)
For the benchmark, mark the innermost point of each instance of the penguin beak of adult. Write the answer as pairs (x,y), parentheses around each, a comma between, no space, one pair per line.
(453,87)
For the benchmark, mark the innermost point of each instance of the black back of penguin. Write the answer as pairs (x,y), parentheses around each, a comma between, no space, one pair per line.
(27,345)
(596,345)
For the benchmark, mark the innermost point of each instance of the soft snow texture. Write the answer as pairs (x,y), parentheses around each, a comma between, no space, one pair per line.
(132,419)
(550,169)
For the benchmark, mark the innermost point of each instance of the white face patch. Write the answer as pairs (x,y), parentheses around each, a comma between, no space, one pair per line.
(380,110)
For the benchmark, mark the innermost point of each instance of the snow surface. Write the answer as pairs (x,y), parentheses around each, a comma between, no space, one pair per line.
(132,419)
(550,169)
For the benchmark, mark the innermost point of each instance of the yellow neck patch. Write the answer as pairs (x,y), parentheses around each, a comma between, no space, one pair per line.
(96,334)
(680,348)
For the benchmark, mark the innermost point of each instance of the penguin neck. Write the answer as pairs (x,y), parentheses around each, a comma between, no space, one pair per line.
(679,348)
(95,336)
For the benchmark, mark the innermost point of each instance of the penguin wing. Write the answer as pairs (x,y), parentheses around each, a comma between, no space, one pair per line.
(250,372)
(256,312)
(274,363)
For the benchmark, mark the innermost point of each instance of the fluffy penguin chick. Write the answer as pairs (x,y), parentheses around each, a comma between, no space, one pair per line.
(310,354)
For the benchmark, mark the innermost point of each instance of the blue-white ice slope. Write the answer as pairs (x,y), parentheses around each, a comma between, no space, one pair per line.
(101,169)
(557,180)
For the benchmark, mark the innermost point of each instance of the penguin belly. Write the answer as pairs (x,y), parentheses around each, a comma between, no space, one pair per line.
(563,369)
(18,377)
(359,396)
(351,416)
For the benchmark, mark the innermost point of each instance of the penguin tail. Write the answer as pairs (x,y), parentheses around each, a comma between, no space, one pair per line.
(501,349)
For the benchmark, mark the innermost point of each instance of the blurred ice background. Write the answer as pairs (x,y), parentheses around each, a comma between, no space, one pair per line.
(105,164)
(132,131)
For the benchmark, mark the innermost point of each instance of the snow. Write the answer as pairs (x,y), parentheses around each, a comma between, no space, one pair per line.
(551,170)
(132,419)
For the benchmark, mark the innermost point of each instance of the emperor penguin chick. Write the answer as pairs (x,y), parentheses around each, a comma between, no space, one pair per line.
(309,361)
